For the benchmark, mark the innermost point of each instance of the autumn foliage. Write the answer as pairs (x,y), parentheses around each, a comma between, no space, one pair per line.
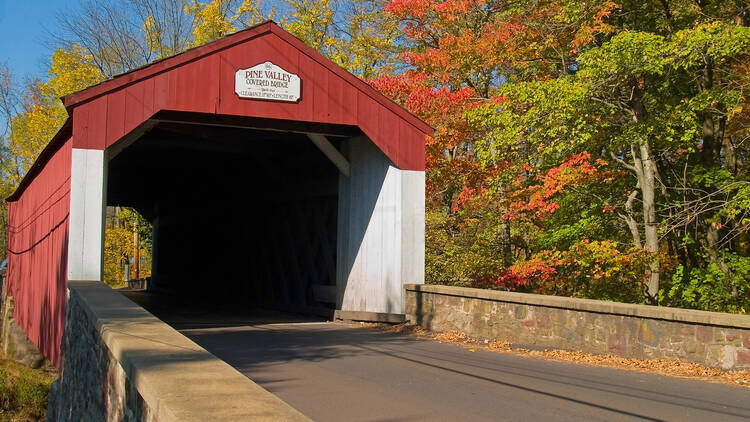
(582,148)
(571,154)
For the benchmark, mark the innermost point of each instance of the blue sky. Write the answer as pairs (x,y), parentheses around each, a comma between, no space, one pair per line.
(23,33)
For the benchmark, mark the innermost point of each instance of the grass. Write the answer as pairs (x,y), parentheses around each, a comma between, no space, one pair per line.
(23,392)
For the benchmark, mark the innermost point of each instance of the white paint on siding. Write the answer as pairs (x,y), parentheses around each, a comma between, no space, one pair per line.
(86,221)
(380,231)
(413,227)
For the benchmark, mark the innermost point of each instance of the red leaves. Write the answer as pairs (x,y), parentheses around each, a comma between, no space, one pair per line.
(433,104)
(441,107)
(540,268)
(440,10)
(536,201)
(586,266)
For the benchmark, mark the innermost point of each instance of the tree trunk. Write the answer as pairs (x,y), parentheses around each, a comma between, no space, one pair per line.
(630,220)
(506,242)
(651,233)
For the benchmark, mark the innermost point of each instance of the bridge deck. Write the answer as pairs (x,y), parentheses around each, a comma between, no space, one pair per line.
(335,372)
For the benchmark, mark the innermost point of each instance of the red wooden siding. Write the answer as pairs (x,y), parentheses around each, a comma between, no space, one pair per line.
(38,253)
(202,80)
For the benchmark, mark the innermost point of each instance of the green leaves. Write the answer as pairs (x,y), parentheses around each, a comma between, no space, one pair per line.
(627,56)
(717,41)
(709,288)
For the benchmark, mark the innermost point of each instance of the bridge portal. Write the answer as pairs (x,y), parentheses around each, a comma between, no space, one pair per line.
(271,176)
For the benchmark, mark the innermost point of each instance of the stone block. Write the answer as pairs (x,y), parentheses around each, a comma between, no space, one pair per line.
(687,330)
(600,335)
(568,334)
(649,333)
(743,358)
(520,312)
(93,386)
(466,305)
(723,357)
(617,345)
(691,346)
(19,348)
(598,327)
(704,334)
(543,321)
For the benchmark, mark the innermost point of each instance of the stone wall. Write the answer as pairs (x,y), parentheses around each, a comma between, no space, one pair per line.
(525,320)
(92,385)
(120,363)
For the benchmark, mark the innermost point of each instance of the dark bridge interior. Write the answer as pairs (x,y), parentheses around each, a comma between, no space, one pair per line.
(240,216)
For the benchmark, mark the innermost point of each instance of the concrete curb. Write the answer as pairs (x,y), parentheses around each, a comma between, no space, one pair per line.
(588,305)
(178,379)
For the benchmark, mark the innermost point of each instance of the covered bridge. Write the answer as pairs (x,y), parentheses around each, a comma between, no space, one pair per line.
(272,177)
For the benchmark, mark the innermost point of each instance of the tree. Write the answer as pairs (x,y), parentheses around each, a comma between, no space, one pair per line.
(354,34)
(649,89)
(119,245)
(215,19)
(10,99)
(42,113)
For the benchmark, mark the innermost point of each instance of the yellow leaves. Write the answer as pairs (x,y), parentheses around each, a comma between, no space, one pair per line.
(153,35)
(30,132)
(210,21)
(119,249)
(313,19)
(249,13)
(117,244)
(71,70)
(356,35)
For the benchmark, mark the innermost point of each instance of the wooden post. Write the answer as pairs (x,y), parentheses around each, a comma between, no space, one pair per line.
(136,252)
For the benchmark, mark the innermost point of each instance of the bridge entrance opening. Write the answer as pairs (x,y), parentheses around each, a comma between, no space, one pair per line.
(241,217)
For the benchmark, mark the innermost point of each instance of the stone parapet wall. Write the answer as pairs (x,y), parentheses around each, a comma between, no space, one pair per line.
(92,385)
(710,338)
(120,363)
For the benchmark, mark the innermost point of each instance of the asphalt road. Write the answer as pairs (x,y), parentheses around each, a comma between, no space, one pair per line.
(335,372)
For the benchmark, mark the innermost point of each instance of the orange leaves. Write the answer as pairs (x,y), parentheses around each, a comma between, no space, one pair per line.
(587,268)
(467,194)
(536,201)
(540,268)
(434,104)
(441,10)
(441,107)
(596,25)
(455,40)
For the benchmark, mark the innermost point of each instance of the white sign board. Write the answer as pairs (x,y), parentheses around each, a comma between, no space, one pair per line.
(266,81)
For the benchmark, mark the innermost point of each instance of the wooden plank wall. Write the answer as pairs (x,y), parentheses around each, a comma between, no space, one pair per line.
(38,254)
(380,231)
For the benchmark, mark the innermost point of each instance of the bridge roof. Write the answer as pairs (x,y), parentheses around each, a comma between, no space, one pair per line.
(198,85)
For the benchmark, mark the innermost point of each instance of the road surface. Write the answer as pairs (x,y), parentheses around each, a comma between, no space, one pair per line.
(338,372)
